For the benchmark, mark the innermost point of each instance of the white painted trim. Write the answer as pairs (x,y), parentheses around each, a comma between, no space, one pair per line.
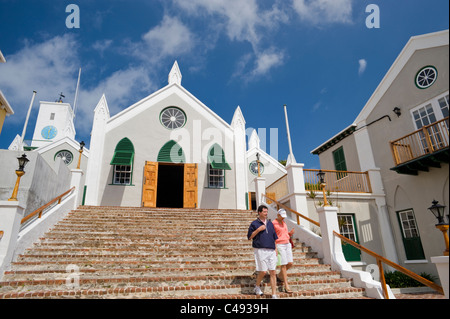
(61,141)
(418,261)
(155,97)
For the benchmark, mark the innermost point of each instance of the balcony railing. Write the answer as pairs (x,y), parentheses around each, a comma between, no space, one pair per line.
(338,181)
(428,140)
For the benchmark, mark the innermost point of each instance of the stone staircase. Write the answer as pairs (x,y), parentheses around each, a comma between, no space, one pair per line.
(114,252)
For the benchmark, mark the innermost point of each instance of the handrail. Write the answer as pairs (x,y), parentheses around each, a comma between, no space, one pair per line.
(293,211)
(381,259)
(41,209)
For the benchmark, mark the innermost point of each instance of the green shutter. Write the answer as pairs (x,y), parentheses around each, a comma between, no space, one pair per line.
(171,152)
(216,158)
(124,153)
(339,159)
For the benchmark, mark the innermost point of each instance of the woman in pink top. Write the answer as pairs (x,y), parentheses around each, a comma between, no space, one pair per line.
(284,247)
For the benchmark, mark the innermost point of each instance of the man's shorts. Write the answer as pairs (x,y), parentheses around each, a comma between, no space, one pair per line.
(265,259)
(285,253)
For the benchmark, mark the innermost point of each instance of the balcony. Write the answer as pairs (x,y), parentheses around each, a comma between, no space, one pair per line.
(336,181)
(422,149)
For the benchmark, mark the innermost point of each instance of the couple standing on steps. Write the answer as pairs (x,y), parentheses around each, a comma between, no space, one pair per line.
(267,238)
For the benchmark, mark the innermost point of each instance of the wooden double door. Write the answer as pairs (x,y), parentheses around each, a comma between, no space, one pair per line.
(170,185)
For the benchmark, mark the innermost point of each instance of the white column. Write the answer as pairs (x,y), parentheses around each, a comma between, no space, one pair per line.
(367,163)
(260,188)
(332,247)
(11,214)
(297,191)
(75,180)
(101,115)
(240,163)
(441,263)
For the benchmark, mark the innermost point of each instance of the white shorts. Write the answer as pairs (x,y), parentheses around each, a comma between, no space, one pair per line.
(265,259)
(285,253)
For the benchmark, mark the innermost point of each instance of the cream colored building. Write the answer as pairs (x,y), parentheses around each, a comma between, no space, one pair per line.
(401,138)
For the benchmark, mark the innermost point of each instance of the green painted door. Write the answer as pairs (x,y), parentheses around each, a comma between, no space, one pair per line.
(410,235)
(347,227)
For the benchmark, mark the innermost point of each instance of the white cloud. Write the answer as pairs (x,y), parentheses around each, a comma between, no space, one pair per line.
(171,38)
(102,45)
(51,67)
(267,60)
(243,21)
(319,12)
(362,66)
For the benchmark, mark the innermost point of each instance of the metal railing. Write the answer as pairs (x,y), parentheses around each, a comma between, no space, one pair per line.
(338,181)
(427,140)
(380,259)
(292,211)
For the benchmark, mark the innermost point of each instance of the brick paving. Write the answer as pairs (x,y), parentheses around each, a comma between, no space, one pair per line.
(431,295)
(113,252)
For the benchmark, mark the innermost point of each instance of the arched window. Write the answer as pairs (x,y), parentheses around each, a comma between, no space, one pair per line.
(123,162)
(171,152)
(217,165)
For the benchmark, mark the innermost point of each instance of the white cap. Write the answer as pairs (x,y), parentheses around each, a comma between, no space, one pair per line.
(282,213)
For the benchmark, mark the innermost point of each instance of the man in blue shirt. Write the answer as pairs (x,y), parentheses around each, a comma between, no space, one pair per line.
(263,236)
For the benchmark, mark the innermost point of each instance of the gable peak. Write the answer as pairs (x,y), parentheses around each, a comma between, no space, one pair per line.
(175,74)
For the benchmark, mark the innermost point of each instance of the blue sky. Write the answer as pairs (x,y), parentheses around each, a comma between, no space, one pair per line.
(316,56)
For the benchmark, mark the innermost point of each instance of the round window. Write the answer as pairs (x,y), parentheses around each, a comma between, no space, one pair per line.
(172,118)
(426,77)
(66,156)
(254,167)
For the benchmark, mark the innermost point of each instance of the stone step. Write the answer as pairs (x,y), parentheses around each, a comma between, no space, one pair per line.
(156,265)
(299,281)
(153,245)
(41,272)
(123,252)
(197,292)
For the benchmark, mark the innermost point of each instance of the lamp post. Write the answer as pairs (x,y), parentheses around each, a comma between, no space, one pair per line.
(257,161)
(438,211)
(81,151)
(321,176)
(23,160)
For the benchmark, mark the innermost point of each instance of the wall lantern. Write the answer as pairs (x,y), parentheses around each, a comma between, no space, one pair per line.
(23,160)
(81,151)
(397,111)
(321,176)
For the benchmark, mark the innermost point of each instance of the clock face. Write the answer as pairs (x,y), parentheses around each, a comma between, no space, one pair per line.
(49,132)
(254,168)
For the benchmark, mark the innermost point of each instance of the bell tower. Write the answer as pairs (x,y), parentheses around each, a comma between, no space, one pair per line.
(54,122)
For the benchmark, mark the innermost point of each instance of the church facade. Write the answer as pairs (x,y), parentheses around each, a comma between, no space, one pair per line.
(168,150)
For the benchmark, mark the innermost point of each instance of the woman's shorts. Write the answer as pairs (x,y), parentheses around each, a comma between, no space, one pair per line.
(285,253)
(265,259)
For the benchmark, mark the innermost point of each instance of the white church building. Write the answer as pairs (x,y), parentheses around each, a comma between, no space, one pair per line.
(171,150)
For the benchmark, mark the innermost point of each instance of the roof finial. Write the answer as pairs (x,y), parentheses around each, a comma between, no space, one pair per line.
(175,74)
